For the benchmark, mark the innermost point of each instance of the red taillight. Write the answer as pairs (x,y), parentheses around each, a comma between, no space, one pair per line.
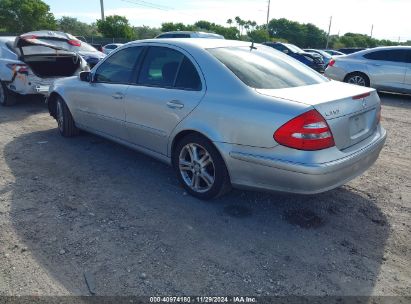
(309,131)
(18,68)
(74,42)
(28,37)
(331,63)
(361,96)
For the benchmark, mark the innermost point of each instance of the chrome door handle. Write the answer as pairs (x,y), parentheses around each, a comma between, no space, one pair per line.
(118,96)
(175,104)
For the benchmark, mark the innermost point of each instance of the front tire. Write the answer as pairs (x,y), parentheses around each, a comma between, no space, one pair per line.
(7,97)
(65,120)
(200,168)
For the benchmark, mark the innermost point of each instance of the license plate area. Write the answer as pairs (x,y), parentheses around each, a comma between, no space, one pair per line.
(359,125)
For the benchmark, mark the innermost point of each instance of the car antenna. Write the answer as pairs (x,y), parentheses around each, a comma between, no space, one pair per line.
(252,47)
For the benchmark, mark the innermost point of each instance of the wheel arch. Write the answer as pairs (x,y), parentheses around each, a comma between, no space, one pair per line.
(183,133)
(358,72)
(52,103)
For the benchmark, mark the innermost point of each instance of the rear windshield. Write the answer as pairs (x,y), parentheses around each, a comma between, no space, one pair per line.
(266,68)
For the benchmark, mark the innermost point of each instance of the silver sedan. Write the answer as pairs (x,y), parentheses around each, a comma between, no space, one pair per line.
(226,113)
(383,68)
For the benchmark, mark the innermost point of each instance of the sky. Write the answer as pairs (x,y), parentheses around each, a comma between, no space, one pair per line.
(391,18)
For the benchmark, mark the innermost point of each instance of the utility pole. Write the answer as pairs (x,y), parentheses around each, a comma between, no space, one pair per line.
(372,29)
(268,14)
(329,30)
(102,9)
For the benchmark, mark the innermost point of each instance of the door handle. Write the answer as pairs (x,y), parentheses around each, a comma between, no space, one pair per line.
(175,104)
(118,96)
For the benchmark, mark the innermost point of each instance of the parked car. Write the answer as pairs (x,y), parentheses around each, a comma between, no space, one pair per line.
(347,51)
(189,34)
(97,46)
(326,57)
(108,48)
(226,113)
(334,53)
(314,61)
(29,65)
(383,68)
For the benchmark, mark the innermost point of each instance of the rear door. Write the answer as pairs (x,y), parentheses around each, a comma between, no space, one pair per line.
(99,105)
(387,68)
(169,86)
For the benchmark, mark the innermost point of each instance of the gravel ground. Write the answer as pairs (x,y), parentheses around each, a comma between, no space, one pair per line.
(86,216)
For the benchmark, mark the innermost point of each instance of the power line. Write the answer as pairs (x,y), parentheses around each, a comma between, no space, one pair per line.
(149,5)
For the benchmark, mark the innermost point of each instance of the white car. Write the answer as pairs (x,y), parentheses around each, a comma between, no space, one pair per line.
(29,64)
(107,49)
(382,68)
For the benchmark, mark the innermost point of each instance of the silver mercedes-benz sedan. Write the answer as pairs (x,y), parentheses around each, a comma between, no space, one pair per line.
(226,113)
(382,68)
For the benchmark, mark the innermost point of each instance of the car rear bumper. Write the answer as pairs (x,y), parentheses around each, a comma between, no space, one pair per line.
(266,173)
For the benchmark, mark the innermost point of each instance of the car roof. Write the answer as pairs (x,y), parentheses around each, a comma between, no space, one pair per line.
(201,43)
(381,48)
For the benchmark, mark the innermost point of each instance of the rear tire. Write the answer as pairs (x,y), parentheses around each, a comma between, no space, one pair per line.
(358,78)
(7,97)
(200,168)
(65,121)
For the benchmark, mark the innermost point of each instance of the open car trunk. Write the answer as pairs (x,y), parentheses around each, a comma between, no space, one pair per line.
(45,59)
(53,65)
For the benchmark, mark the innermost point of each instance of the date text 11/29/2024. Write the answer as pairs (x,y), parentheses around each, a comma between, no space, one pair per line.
(203,299)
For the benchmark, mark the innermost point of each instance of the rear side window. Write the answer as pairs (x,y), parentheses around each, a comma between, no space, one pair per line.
(118,68)
(388,55)
(265,68)
(188,77)
(160,67)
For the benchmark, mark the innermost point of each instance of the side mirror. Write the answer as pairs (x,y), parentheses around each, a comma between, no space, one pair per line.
(85,76)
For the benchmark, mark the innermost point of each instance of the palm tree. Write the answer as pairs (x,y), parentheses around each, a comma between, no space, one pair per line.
(230,21)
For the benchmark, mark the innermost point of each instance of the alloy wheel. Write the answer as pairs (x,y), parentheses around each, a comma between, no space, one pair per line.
(197,168)
(358,80)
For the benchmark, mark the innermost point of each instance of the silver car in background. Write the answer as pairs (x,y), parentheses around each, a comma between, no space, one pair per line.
(382,68)
(108,48)
(226,113)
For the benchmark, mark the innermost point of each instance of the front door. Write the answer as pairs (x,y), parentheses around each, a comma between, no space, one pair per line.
(99,105)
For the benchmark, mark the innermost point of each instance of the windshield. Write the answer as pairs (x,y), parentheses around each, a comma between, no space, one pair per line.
(266,68)
(294,48)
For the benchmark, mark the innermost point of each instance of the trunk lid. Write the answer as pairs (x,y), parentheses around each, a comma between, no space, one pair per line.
(33,45)
(351,111)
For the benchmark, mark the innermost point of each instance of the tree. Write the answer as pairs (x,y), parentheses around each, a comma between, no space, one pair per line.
(259,35)
(25,15)
(146,32)
(229,22)
(75,27)
(116,27)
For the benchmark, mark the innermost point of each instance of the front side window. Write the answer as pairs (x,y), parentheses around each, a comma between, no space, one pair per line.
(265,68)
(118,68)
(387,55)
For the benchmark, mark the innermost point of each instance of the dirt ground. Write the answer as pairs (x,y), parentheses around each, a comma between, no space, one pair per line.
(86,216)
